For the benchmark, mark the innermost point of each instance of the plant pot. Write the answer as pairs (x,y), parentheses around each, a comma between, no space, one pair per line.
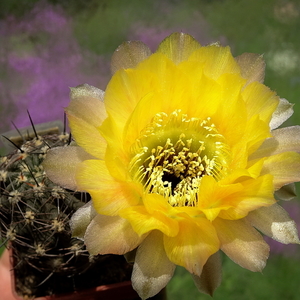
(116,291)
(121,290)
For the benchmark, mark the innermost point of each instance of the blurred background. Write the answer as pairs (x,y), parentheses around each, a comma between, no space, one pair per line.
(48,46)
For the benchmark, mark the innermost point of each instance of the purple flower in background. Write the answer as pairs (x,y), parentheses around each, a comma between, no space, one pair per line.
(40,60)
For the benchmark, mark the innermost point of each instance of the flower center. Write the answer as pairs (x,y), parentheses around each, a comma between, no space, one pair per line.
(174,152)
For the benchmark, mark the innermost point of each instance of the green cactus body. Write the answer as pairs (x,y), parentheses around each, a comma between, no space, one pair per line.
(35,214)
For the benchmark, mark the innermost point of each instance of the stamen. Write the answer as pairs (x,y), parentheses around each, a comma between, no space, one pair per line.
(192,148)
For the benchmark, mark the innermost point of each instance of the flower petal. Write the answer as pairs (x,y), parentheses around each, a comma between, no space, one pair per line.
(216,60)
(86,113)
(195,243)
(110,235)
(81,219)
(211,275)
(61,164)
(285,168)
(282,113)
(87,91)
(283,140)
(242,243)
(87,136)
(263,105)
(129,55)
(252,67)
(109,195)
(287,192)
(125,90)
(87,104)
(178,46)
(255,193)
(144,219)
(275,222)
(152,269)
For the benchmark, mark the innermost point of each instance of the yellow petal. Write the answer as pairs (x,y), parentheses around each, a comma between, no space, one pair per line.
(195,243)
(217,60)
(168,84)
(230,103)
(140,117)
(285,168)
(109,195)
(152,269)
(110,235)
(129,55)
(242,243)
(275,222)
(213,197)
(178,46)
(142,221)
(283,140)
(60,165)
(260,100)
(252,66)
(124,91)
(203,93)
(211,275)
(254,194)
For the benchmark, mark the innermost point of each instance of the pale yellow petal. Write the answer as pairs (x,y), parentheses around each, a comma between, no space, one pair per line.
(152,269)
(129,55)
(242,243)
(195,243)
(275,222)
(86,91)
(282,113)
(287,192)
(87,104)
(87,136)
(86,112)
(178,46)
(252,67)
(211,276)
(81,219)
(60,165)
(283,140)
(110,235)
(109,194)
(284,167)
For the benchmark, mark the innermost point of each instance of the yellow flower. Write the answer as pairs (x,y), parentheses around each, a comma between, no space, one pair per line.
(182,159)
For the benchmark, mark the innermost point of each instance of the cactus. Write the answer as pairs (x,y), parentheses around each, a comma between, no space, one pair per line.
(34,220)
